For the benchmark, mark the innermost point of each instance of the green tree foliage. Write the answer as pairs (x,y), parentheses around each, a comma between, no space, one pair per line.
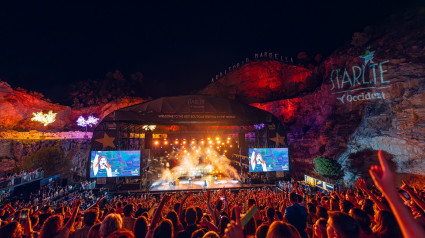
(328,167)
(51,159)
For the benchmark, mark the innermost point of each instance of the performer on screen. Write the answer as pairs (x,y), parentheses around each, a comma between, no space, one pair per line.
(101,168)
(257,163)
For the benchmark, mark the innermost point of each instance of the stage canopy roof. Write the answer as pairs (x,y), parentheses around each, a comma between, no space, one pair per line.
(192,110)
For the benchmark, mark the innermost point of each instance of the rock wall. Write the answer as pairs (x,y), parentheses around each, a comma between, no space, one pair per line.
(17,108)
(20,137)
(370,96)
(262,81)
(14,151)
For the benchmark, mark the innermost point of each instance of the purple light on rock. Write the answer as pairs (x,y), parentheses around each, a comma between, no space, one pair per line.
(91,121)
(259,126)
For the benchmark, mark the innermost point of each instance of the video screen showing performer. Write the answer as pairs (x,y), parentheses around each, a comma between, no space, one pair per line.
(268,159)
(114,164)
(257,163)
(101,168)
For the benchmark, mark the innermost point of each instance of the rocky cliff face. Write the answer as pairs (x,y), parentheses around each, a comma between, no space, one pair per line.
(371,96)
(20,137)
(262,81)
(17,108)
(13,151)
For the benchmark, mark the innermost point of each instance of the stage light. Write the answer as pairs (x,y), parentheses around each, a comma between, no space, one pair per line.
(176,142)
(193,142)
(210,142)
(165,142)
(228,142)
(228,138)
(156,142)
(184,142)
(217,138)
(202,142)
(222,143)
(231,146)
(225,151)
(208,138)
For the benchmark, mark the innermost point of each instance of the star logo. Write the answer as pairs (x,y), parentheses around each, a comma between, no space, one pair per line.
(279,140)
(106,141)
(367,56)
(341,98)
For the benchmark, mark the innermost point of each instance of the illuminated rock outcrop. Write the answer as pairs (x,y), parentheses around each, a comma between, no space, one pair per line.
(262,81)
(370,96)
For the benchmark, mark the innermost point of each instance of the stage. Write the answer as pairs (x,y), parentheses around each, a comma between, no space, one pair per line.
(207,182)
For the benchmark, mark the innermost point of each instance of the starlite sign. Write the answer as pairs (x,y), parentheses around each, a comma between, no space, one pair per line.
(360,82)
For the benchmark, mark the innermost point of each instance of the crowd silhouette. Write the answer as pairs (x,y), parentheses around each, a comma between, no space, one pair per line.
(381,210)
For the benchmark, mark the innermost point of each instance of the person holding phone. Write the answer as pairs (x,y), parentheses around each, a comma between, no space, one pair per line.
(101,167)
(24,214)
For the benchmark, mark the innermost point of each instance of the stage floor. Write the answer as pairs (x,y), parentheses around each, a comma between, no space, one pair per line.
(197,184)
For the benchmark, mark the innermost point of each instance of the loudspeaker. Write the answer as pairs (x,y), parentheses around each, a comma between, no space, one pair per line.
(148,140)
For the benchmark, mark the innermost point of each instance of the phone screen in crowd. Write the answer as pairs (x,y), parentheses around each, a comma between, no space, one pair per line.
(222,198)
(24,214)
(405,194)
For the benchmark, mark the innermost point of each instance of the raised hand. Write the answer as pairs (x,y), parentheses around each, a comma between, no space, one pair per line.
(166,198)
(77,202)
(382,175)
(361,183)
(234,229)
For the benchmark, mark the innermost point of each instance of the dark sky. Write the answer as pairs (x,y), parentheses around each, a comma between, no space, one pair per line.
(180,44)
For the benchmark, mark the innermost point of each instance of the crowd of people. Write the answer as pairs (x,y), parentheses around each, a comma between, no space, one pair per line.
(25,175)
(362,211)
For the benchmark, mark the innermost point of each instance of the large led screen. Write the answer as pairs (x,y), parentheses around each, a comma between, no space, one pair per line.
(268,159)
(115,163)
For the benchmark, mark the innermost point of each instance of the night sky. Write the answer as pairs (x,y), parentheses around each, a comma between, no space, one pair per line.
(177,45)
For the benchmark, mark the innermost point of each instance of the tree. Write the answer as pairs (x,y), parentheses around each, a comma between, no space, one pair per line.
(51,159)
(101,91)
(328,167)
